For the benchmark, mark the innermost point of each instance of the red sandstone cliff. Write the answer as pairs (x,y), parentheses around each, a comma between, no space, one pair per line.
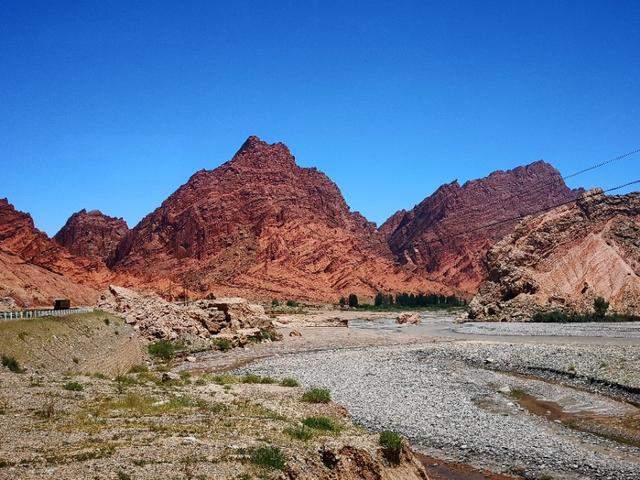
(261,225)
(92,234)
(34,269)
(427,238)
(564,259)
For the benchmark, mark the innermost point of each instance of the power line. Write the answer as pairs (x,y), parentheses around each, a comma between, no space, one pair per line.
(543,185)
(520,217)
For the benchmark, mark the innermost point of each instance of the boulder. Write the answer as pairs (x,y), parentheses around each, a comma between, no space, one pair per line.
(407,318)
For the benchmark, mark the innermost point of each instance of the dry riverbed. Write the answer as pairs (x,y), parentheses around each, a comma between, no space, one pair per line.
(535,409)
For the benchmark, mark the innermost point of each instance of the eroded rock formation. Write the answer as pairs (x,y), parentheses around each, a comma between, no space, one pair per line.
(92,234)
(428,238)
(34,269)
(260,225)
(234,319)
(564,259)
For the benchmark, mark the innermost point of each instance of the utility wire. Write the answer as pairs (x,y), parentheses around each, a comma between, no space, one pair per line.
(555,180)
(520,217)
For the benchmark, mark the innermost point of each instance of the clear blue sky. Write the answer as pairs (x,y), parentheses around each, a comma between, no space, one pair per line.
(113,105)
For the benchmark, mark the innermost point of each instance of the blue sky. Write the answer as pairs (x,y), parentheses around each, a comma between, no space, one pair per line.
(113,105)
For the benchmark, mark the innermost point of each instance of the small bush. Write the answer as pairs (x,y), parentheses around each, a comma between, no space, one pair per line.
(271,458)
(317,395)
(275,303)
(223,344)
(301,432)
(326,424)
(73,386)
(289,382)
(142,368)
(391,444)
(163,349)
(47,411)
(292,303)
(252,378)
(12,364)
(107,322)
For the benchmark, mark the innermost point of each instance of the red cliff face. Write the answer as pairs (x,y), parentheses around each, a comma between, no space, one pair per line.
(261,225)
(92,234)
(34,269)
(428,238)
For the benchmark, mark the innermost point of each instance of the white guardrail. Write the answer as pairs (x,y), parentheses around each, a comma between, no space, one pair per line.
(46,312)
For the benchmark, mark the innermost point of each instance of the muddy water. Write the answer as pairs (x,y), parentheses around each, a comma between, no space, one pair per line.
(621,428)
(443,470)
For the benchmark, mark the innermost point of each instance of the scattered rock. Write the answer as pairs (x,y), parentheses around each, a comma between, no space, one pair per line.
(295,333)
(408,319)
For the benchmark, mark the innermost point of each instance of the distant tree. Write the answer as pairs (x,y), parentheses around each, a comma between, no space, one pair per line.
(343,301)
(353,300)
(292,303)
(275,303)
(600,307)
(379,300)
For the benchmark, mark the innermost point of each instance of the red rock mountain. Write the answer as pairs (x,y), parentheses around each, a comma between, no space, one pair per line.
(34,269)
(92,234)
(261,225)
(428,239)
(564,259)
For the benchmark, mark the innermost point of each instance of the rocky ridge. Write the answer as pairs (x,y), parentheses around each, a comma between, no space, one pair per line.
(564,259)
(427,238)
(35,269)
(260,225)
(92,234)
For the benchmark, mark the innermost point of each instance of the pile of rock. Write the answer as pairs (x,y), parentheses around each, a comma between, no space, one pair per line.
(407,318)
(234,319)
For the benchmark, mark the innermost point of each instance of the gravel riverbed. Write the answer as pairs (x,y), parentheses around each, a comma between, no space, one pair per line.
(611,330)
(449,400)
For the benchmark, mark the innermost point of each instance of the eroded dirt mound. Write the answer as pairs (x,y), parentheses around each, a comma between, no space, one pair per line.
(155,318)
(95,342)
(427,238)
(566,258)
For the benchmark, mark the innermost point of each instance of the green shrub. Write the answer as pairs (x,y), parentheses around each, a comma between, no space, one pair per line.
(301,432)
(292,303)
(141,368)
(163,349)
(317,395)
(289,382)
(252,378)
(271,458)
(12,364)
(391,444)
(321,423)
(73,386)
(223,344)
(275,303)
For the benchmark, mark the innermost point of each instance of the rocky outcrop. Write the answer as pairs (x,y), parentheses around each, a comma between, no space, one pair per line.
(564,259)
(92,234)
(234,319)
(260,225)
(428,238)
(35,269)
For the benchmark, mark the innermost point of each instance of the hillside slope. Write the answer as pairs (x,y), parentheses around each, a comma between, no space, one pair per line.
(565,258)
(260,225)
(428,240)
